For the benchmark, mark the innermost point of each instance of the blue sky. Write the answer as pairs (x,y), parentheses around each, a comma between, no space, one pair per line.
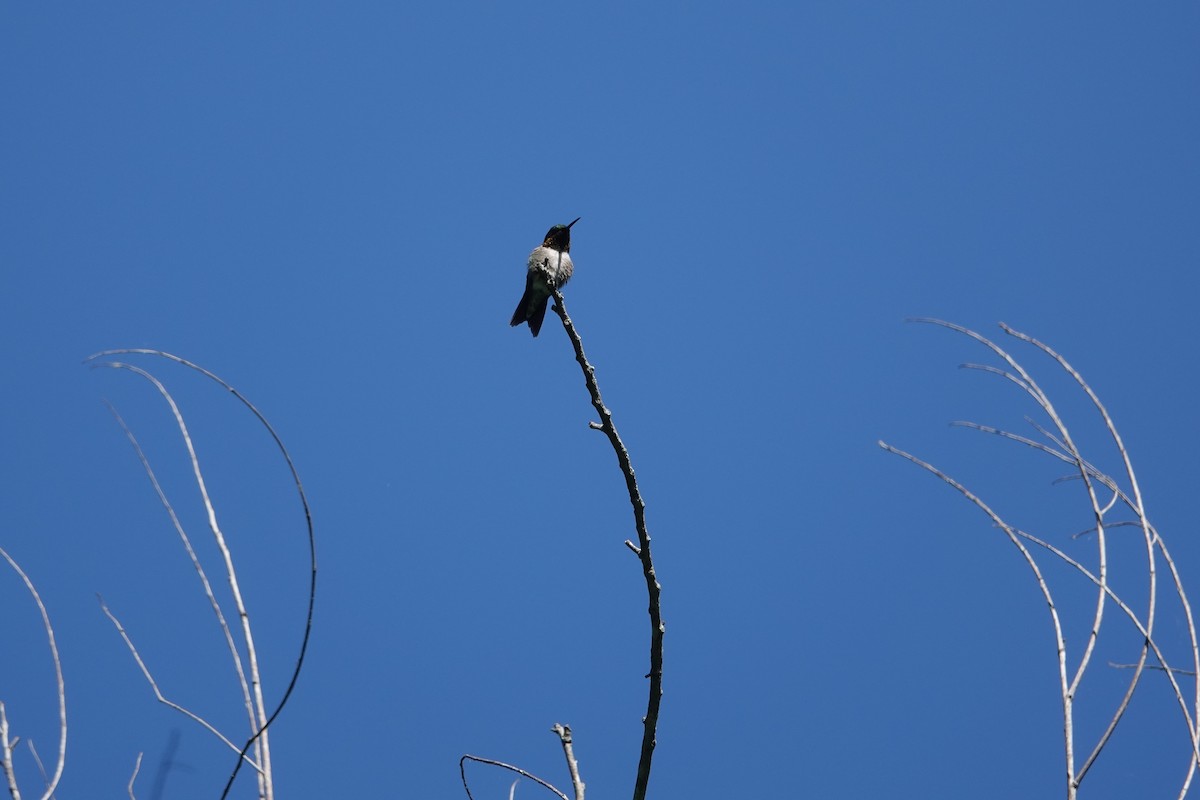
(331,208)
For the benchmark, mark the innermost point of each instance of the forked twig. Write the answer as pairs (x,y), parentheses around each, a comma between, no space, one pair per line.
(1065,449)
(1138,508)
(158,695)
(1043,400)
(260,732)
(252,690)
(218,613)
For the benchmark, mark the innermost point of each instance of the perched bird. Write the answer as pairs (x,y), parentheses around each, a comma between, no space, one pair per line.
(550,268)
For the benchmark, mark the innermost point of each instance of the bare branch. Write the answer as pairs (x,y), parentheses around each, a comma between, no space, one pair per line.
(564,735)
(1043,401)
(1013,536)
(312,549)
(462,769)
(1148,645)
(158,695)
(5,745)
(653,588)
(1111,427)
(1091,478)
(1176,670)
(137,766)
(1138,505)
(6,756)
(41,767)
(1014,437)
(252,691)
(995,371)
(234,654)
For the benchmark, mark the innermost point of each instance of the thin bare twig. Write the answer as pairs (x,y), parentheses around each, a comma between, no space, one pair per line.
(41,767)
(234,653)
(462,769)
(158,695)
(1086,472)
(137,766)
(6,756)
(1109,483)
(1150,645)
(1138,508)
(1066,685)
(1192,718)
(1176,670)
(653,588)
(6,746)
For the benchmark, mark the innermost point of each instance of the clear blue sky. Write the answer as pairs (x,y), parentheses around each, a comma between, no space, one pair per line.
(331,206)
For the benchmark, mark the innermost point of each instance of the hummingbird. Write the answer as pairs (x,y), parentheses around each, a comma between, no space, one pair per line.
(550,268)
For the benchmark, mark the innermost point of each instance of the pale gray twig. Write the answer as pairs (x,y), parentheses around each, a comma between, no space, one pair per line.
(41,767)
(6,756)
(185,540)
(6,746)
(252,693)
(564,736)
(158,695)
(1176,670)
(137,766)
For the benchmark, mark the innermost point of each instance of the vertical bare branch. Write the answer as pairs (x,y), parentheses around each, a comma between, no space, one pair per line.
(256,708)
(653,589)
(5,745)
(6,756)
(312,546)
(1139,510)
(564,736)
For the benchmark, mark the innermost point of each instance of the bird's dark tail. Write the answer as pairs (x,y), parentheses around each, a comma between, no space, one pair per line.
(539,314)
(530,310)
(521,314)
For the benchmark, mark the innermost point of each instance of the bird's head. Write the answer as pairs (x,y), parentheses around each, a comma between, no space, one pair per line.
(559,237)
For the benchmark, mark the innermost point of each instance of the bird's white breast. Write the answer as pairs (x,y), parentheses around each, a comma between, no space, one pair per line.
(554,265)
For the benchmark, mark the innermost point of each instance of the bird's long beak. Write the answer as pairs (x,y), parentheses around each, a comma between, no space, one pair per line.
(573,222)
